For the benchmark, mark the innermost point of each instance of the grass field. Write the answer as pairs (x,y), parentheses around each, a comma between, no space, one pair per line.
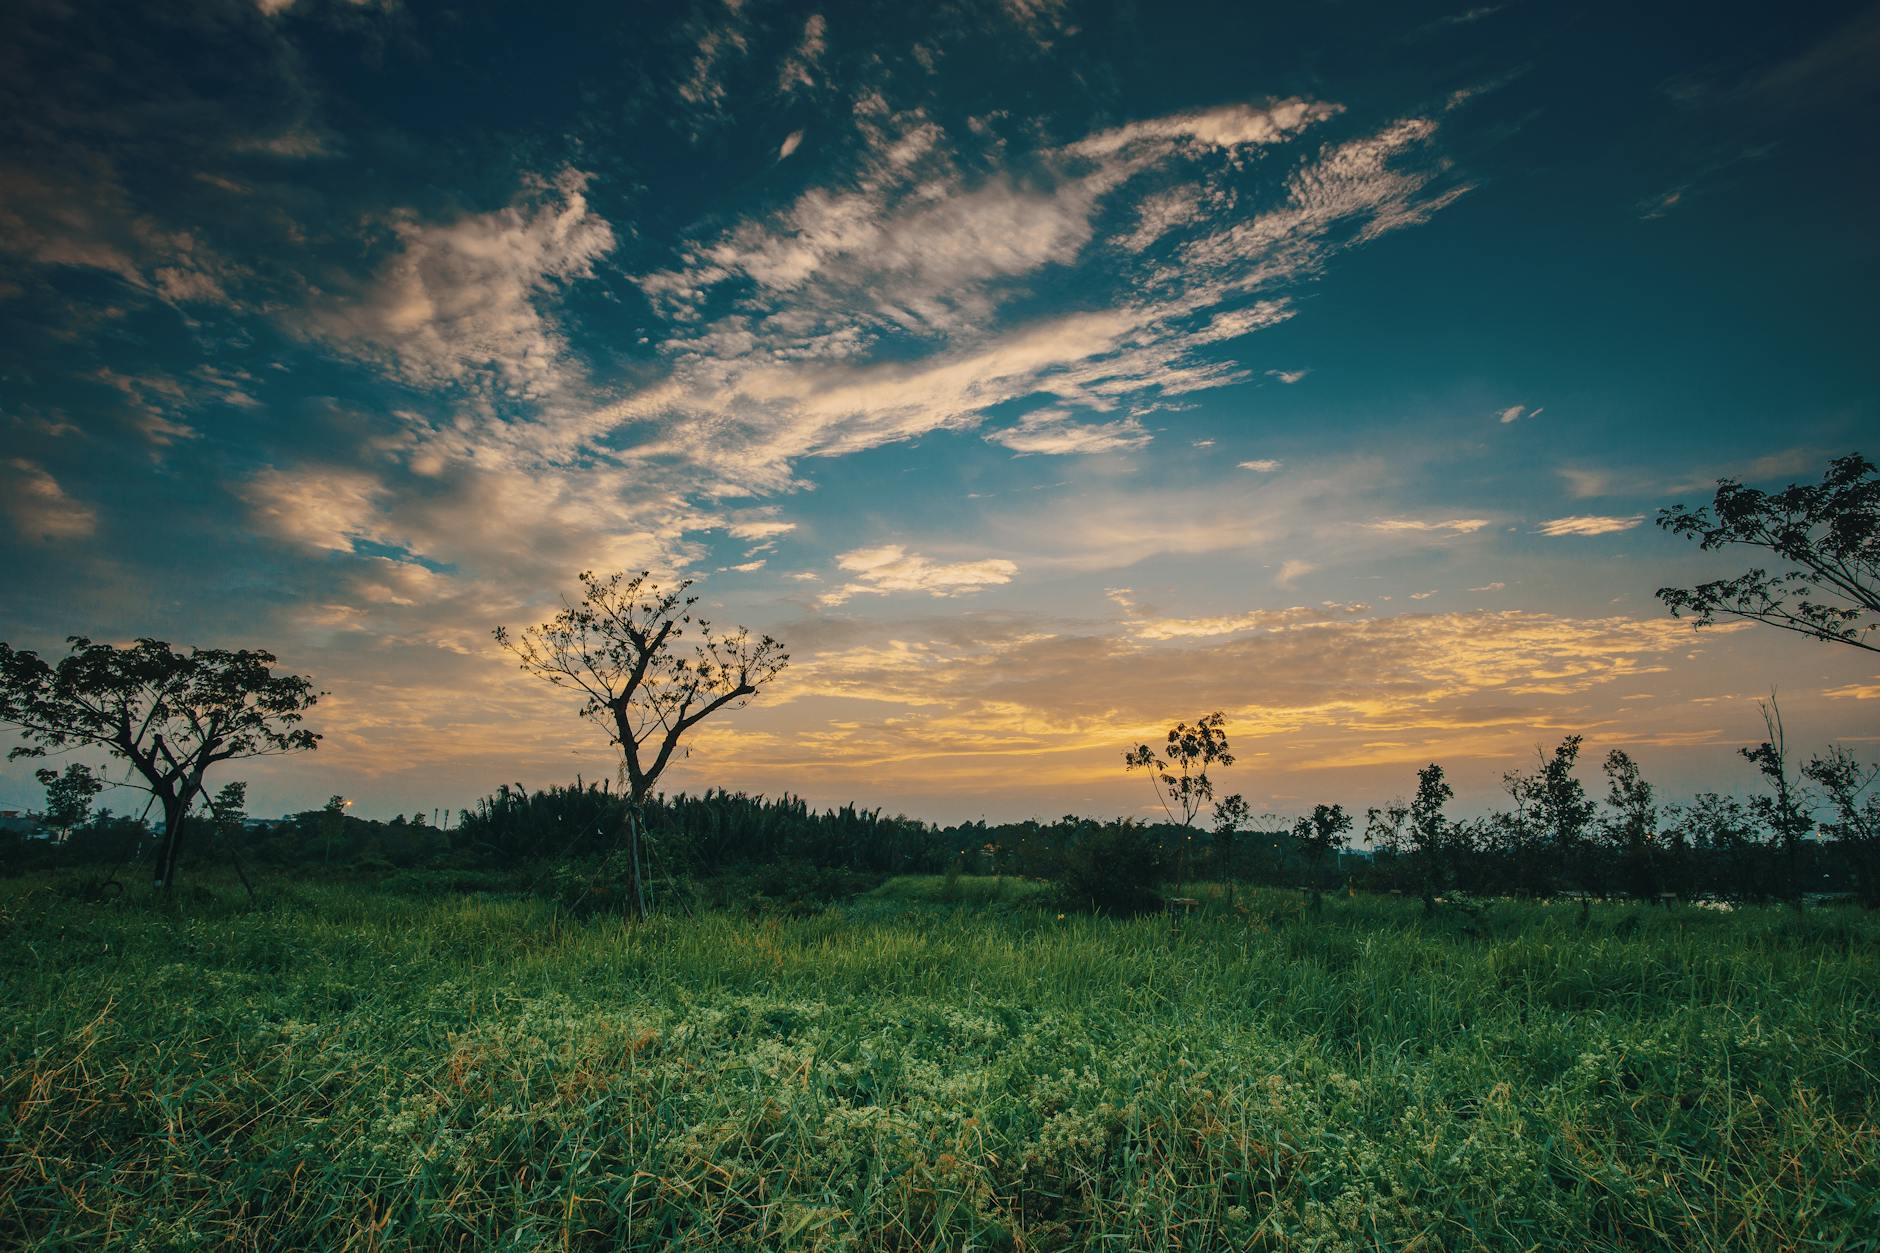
(345,1068)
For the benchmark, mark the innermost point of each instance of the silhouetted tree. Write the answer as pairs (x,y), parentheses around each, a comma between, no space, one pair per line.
(174,716)
(69,796)
(1633,827)
(1429,828)
(1849,786)
(1725,838)
(620,647)
(1320,836)
(1829,537)
(1784,809)
(1230,815)
(1181,781)
(1557,804)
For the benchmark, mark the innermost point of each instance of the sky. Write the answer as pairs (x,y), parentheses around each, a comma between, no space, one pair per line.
(1040,372)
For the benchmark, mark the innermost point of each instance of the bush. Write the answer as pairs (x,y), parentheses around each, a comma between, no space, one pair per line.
(793,888)
(1113,869)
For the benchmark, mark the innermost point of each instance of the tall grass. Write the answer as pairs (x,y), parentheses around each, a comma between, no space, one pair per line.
(339,1068)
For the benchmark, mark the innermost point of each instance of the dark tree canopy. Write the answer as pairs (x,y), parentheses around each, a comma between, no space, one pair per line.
(69,795)
(1827,536)
(172,715)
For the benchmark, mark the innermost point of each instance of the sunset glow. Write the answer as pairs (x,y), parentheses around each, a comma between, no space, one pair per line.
(1038,373)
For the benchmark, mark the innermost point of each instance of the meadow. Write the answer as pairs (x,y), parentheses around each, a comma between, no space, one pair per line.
(932,1065)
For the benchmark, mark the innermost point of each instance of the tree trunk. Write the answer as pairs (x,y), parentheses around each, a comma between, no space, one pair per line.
(175,819)
(633,860)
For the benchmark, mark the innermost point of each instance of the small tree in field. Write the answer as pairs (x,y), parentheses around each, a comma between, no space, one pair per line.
(1230,815)
(1321,836)
(623,647)
(1429,832)
(1181,781)
(1849,787)
(1784,809)
(69,796)
(173,716)
(1827,538)
(1558,805)
(1633,828)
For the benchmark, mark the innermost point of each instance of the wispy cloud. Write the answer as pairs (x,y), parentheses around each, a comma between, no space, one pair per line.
(1459,526)
(463,302)
(1260,465)
(1055,431)
(1589,524)
(872,309)
(38,507)
(891,568)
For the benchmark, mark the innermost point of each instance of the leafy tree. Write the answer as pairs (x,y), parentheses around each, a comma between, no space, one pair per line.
(69,796)
(1731,859)
(1633,827)
(1181,780)
(1553,798)
(620,647)
(1384,829)
(1320,836)
(1429,829)
(173,716)
(332,824)
(1784,809)
(1230,815)
(1849,787)
(1828,536)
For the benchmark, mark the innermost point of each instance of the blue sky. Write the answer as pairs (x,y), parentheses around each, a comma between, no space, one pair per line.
(1040,372)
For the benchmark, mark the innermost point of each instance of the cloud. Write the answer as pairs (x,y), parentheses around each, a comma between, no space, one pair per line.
(718,36)
(1149,627)
(462,302)
(760,525)
(1460,526)
(891,568)
(1262,465)
(1054,431)
(1589,524)
(800,68)
(1231,126)
(1292,569)
(38,507)
(1514,413)
(789,145)
(1422,595)
(1489,587)
(1287,376)
(874,308)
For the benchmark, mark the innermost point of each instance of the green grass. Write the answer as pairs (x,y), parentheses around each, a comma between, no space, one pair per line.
(342,1068)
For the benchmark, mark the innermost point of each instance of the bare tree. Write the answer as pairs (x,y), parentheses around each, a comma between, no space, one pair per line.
(1785,810)
(172,715)
(1828,536)
(622,647)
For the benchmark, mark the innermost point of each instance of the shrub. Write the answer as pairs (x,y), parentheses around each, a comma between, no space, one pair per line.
(1113,869)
